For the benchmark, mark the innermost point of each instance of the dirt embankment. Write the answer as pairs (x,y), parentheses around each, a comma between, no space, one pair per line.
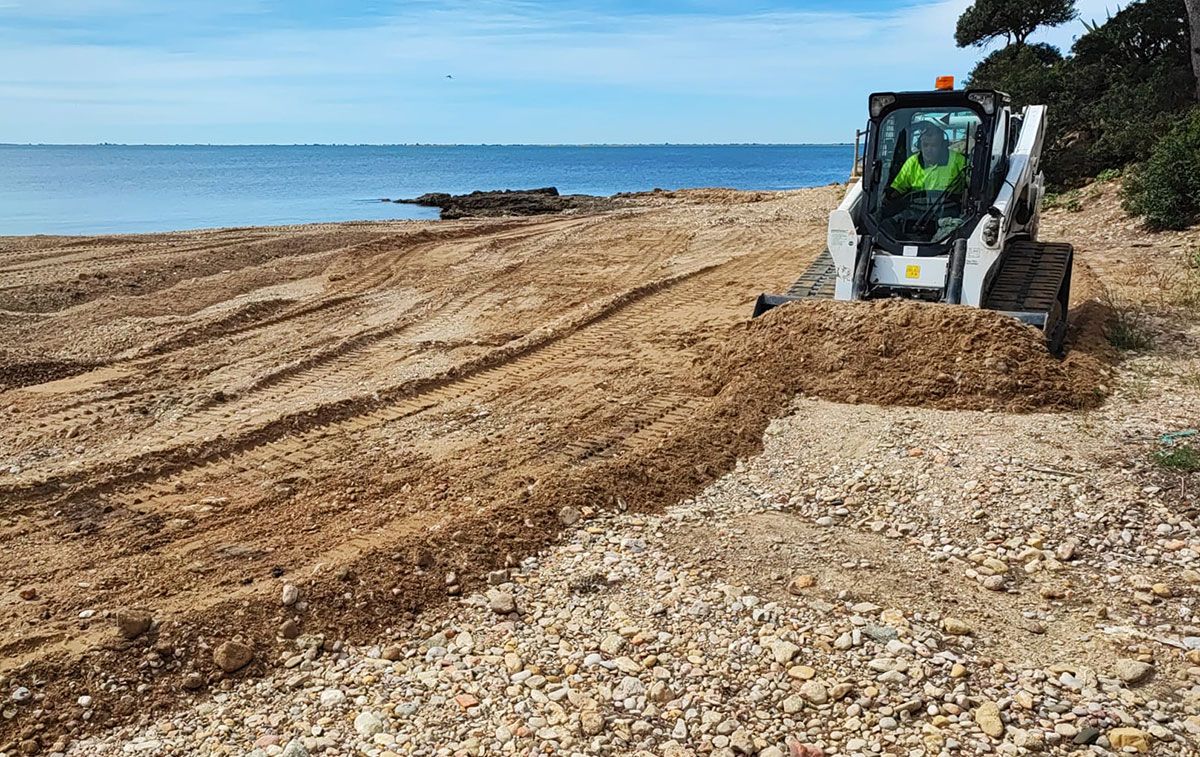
(904,353)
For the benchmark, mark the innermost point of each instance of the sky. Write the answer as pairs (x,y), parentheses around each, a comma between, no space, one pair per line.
(459,72)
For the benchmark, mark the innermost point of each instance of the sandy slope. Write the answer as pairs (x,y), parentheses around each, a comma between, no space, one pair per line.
(228,406)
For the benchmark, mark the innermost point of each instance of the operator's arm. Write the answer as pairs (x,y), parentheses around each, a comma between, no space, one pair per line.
(905,180)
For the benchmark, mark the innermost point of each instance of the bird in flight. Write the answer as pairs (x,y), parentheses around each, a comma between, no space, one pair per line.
(448,76)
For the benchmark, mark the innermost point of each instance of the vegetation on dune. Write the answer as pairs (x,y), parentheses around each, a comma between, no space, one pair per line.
(1181,458)
(1127,326)
(1123,96)
(1165,190)
(1029,73)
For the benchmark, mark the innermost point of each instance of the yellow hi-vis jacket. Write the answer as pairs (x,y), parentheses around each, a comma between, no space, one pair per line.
(948,176)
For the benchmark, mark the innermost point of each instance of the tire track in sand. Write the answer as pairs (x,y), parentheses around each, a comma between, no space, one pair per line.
(331,376)
(259,463)
(64,421)
(257,466)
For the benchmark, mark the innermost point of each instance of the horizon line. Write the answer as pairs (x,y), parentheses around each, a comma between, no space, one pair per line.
(426,144)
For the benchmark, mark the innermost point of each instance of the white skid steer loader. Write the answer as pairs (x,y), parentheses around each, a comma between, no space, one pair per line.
(946,210)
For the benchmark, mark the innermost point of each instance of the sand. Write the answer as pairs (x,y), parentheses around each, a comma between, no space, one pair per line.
(369,408)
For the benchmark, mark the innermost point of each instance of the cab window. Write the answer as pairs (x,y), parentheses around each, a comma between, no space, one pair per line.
(922,159)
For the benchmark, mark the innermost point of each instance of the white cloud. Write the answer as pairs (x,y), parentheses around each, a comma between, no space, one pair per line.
(508,59)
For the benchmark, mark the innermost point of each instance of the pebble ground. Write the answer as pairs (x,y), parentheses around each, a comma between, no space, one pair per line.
(878,581)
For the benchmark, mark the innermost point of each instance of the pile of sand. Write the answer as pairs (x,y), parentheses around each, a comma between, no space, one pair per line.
(901,353)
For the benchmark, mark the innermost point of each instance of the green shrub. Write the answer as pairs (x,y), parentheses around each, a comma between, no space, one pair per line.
(1126,331)
(1027,73)
(1109,174)
(1122,85)
(1181,458)
(1128,325)
(1165,190)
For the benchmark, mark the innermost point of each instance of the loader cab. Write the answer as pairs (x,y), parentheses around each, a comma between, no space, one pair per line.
(932,165)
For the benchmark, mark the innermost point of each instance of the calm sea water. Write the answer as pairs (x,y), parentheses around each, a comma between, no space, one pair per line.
(121,189)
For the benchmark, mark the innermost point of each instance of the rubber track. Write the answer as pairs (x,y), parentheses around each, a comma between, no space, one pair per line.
(1029,277)
(818,279)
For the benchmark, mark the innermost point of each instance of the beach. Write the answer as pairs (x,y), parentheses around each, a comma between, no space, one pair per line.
(239,456)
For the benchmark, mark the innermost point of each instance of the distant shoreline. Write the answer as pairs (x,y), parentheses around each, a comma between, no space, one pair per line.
(432,144)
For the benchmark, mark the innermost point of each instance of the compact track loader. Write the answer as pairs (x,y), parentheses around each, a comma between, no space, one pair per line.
(946,210)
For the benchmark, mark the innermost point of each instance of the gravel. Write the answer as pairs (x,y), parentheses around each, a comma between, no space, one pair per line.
(835,595)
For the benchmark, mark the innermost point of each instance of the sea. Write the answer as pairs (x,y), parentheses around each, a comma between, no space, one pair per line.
(104,189)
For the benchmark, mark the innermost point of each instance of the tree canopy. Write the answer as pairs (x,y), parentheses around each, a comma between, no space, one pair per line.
(1027,73)
(1014,20)
(1124,85)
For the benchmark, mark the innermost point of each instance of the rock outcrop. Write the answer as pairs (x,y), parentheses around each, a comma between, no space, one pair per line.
(508,202)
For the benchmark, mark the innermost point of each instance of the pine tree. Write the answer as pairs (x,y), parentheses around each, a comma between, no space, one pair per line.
(1014,20)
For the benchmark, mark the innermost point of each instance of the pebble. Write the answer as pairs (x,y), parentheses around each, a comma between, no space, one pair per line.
(741,742)
(290,595)
(987,716)
(613,644)
(815,692)
(1129,738)
(592,723)
(295,748)
(501,602)
(801,582)
(783,651)
(332,697)
(133,623)
(956,627)
(367,724)
(1133,671)
(231,656)
(1086,735)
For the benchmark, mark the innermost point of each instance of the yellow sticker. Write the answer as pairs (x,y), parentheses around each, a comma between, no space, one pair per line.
(912,272)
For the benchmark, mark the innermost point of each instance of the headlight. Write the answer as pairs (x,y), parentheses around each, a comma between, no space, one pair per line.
(879,102)
(986,100)
(991,231)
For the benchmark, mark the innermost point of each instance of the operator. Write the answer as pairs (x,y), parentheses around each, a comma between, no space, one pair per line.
(935,167)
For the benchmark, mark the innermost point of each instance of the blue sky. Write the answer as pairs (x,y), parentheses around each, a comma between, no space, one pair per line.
(524,71)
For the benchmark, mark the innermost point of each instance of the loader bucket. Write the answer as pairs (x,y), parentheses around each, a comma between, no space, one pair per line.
(767,302)
(817,281)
